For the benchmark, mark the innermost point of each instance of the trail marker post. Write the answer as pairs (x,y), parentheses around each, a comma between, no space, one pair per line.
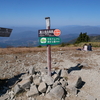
(49,37)
(48,48)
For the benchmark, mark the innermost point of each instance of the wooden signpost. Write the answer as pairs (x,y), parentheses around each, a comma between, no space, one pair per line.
(48,37)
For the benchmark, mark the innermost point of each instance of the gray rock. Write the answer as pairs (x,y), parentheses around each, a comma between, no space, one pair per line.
(71,90)
(64,73)
(37,80)
(56,92)
(42,87)
(25,84)
(48,80)
(17,89)
(48,89)
(75,81)
(33,91)
(31,70)
(30,77)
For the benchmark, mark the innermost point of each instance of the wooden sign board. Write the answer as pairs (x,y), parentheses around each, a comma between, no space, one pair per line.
(49,40)
(46,33)
(5,32)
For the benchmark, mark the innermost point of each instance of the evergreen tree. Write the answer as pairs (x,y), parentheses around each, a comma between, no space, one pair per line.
(83,37)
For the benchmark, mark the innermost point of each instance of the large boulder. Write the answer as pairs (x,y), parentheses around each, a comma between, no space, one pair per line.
(71,90)
(75,81)
(25,84)
(30,77)
(33,91)
(57,92)
(42,87)
(48,80)
(37,80)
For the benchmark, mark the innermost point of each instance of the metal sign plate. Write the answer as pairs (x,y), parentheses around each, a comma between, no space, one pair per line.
(49,40)
(46,33)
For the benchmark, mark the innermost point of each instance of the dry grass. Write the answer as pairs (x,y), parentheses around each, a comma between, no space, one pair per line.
(34,49)
(44,48)
(20,50)
(94,44)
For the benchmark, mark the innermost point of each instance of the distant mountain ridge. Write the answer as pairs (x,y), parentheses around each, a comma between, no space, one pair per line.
(78,29)
(93,38)
(28,36)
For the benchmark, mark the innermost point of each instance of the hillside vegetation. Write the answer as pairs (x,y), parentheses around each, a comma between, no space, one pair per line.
(95,38)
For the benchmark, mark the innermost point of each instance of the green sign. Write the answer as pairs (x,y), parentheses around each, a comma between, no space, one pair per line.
(49,40)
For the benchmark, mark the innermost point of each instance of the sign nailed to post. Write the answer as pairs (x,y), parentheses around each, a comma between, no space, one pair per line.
(57,32)
(46,33)
(49,40)
(49,32)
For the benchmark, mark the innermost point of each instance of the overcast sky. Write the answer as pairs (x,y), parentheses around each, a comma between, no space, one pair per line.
(61,12)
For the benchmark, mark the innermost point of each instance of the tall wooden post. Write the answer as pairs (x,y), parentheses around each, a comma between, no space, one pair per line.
(48,48)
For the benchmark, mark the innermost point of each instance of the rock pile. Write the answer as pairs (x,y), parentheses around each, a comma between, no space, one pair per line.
(58,86)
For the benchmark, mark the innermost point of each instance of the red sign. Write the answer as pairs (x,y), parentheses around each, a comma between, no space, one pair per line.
(57,32)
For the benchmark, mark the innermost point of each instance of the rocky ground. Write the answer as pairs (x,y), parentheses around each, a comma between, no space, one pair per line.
(14,66)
